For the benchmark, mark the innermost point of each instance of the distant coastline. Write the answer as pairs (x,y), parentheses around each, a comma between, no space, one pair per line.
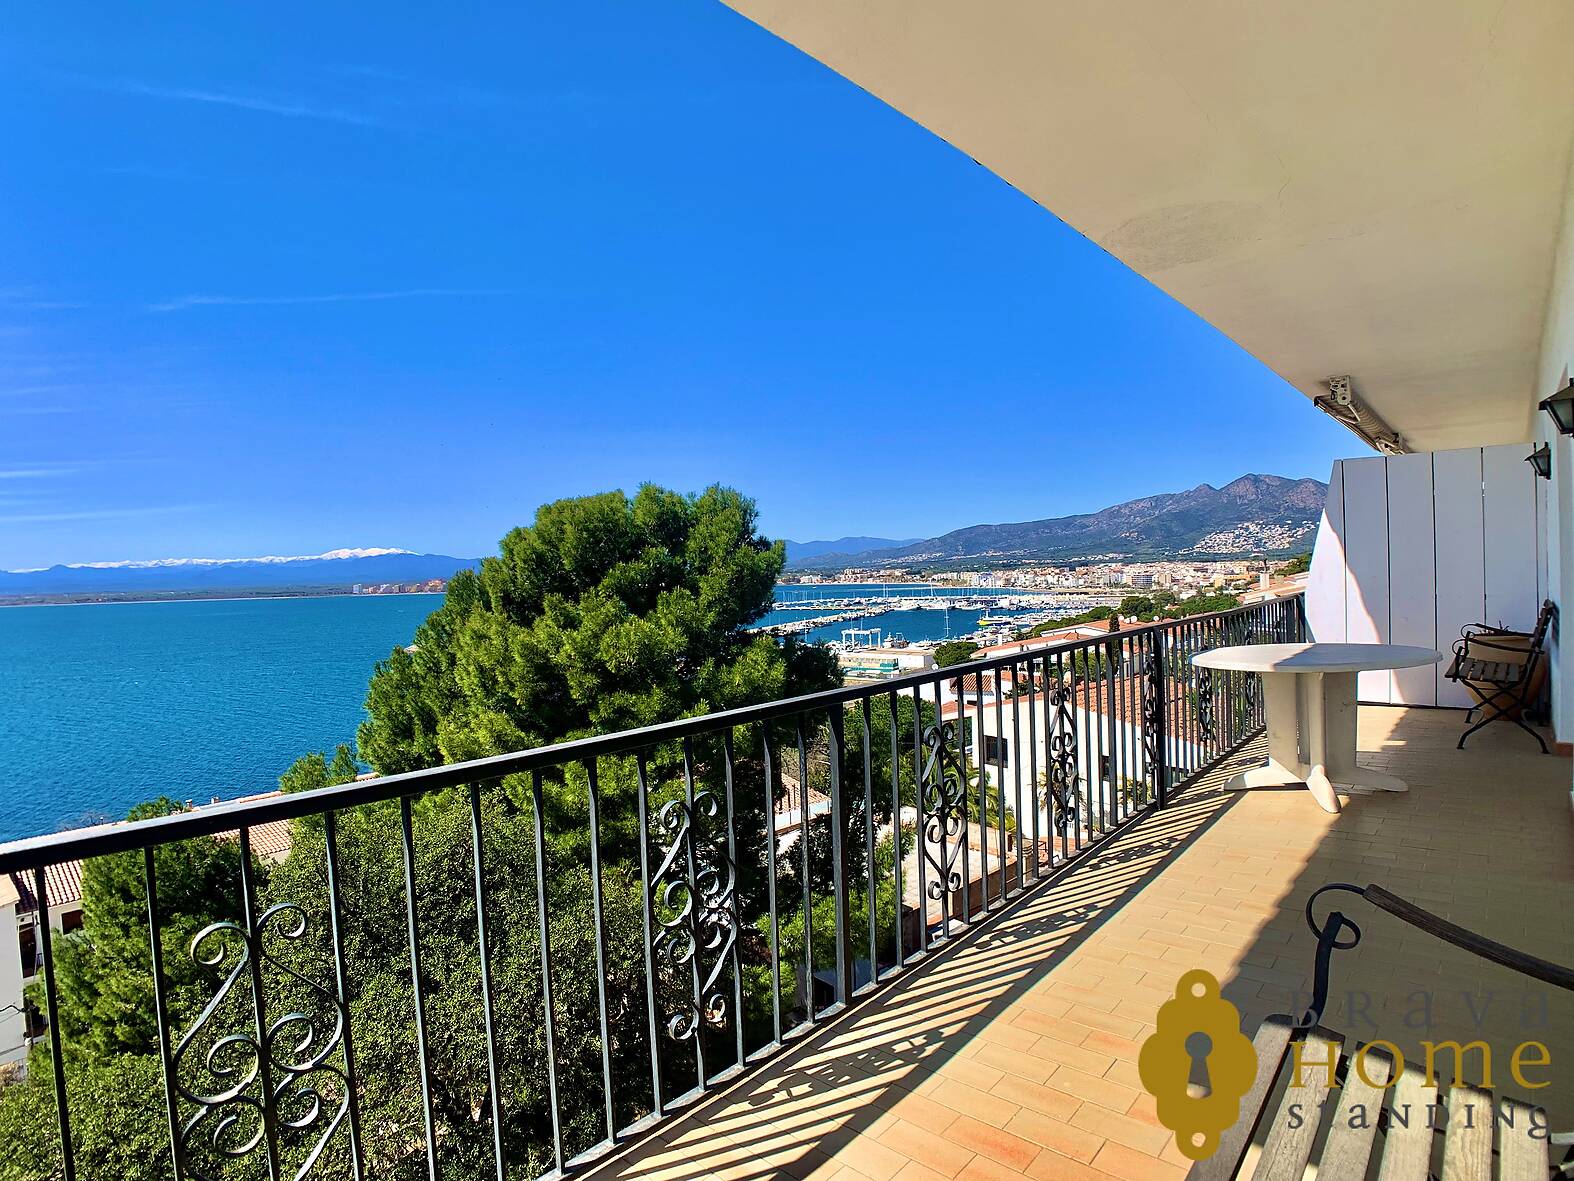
(228,595)
(170,580)
(102,710)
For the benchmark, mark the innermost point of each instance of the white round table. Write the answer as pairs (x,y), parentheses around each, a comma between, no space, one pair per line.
(1309,692)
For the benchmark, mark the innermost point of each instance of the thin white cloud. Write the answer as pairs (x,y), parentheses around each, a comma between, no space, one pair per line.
(181,303)
(34,473)
(289,108)
(27,391)
(105,514)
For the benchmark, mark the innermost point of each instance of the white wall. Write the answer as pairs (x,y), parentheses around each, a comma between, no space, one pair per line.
(1556,364)
(13,1028)
(1096,734)
(1414,547)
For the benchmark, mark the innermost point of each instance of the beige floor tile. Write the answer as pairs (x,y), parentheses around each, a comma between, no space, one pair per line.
(1012,1054)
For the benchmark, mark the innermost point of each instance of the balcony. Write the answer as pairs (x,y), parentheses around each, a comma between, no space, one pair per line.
(590,958)
(1015,1054)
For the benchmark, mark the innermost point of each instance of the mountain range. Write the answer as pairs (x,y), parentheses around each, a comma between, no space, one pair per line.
(842,547)
(169,577)
(1254,515)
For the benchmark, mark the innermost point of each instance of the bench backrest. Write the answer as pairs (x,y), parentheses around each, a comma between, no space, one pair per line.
(1544,618)
(1516,648)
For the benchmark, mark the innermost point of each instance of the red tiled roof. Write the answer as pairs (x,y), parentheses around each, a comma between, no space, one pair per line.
(1090,698)
(63,883)
(270,841)
(1076,631)
(949,709)
(63,880)
(985,682)
(789,800)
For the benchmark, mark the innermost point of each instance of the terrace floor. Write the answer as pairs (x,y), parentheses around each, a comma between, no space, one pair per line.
(1013,1053)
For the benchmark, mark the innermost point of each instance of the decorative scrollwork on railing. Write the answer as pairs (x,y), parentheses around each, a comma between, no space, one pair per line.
(1207,724)
(1153,717)
(1061,773)
(944,795)
(249,1088)
(694,900)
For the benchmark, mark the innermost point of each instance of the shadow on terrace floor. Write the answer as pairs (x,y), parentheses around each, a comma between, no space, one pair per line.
(879,1091)
(1014,1053)
(1484,838)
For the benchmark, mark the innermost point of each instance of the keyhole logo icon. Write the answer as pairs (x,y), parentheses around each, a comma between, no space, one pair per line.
(1198,1039)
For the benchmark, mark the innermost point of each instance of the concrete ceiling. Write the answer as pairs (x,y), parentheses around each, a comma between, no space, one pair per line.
(1342,187)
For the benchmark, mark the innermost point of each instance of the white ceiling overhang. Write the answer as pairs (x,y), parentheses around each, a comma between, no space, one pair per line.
(1341,187)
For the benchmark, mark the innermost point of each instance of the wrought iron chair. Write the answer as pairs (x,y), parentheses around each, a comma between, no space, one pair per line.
(1406,1148)
(1504,670)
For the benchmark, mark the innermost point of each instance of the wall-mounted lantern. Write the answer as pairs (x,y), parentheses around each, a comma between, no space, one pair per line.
(1541,460)
(1561,407)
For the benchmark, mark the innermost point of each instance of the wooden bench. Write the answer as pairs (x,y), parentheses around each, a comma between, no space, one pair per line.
(1503,670)
(1398,1130)
(1402,1130)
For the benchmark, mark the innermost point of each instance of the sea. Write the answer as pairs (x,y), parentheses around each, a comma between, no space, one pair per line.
(103,706)
(925,619)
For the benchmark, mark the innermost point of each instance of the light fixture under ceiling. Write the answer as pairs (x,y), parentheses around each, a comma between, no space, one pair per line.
(1541,460)
(1342,405)
(1560,407)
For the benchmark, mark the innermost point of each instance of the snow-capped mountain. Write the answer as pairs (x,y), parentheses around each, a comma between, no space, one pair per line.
(338,569)
(149,563)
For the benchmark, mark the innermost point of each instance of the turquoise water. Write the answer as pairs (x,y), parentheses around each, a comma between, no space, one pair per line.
(104,706)
(917,623)
(799,592)
(911,625)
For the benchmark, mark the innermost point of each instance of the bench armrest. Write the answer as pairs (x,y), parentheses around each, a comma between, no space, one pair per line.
(1472,630)
(1488,949)
(1423,920)
(1506,649)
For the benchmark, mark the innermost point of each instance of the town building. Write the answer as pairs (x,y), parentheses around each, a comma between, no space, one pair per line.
(21,951)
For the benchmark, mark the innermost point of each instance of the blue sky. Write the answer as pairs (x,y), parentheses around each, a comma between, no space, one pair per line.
(284,278)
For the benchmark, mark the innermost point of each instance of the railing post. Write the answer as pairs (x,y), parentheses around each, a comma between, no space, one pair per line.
(1154,708)
(840,877)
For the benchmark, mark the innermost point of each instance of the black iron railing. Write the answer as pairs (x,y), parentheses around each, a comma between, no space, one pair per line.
(590,935)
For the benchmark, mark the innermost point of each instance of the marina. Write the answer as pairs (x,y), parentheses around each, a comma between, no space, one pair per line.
(922,613)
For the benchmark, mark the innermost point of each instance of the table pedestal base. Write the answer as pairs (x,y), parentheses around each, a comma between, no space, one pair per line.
(1311,739)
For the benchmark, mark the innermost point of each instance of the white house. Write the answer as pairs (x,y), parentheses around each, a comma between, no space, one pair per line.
(19,947)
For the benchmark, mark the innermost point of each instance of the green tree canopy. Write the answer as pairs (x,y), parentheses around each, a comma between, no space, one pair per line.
(1201,604)
(1137,607)
(107,1013)
(607,613)
(954,652)
(105,969)
(314,770)
(1164,605)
